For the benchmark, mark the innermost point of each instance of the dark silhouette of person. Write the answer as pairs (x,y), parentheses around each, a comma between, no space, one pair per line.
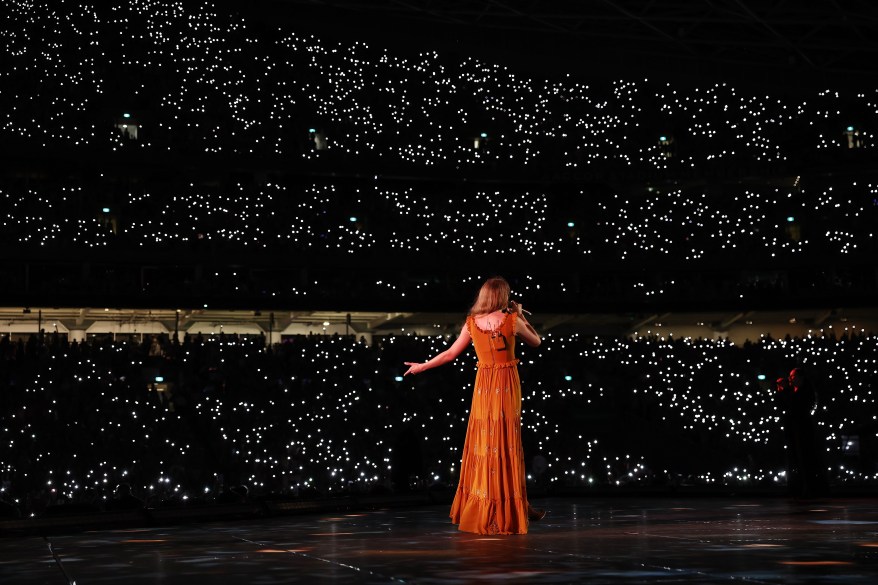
(408,463)
(124,499)
(799,399)
(9,510)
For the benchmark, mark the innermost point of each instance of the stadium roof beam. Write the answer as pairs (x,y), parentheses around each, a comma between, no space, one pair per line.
(784,40)
(783,37)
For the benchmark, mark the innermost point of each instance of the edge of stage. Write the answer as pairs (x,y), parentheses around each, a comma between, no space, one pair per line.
(607,536)
(256,508)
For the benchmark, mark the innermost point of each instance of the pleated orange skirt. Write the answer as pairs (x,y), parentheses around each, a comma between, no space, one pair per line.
(491,496)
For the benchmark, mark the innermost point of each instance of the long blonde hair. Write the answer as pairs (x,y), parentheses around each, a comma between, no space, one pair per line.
(493,296)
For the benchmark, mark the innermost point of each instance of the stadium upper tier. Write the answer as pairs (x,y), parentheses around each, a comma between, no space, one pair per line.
(156,149)
(168,80)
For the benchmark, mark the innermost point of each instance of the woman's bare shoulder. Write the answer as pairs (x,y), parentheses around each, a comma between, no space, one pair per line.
(489,321)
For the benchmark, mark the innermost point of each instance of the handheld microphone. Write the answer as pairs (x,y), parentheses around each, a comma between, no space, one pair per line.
(509,310)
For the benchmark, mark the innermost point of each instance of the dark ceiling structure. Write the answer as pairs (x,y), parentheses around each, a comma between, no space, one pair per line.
(805,42)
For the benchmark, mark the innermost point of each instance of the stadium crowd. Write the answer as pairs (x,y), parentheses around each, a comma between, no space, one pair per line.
(196,80)
(212,418)
(158,134)
(167,151)
(292,241)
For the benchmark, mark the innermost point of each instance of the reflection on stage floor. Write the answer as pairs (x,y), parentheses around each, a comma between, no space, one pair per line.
(626,540)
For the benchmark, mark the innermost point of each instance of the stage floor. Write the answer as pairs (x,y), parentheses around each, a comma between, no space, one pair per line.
(626,540)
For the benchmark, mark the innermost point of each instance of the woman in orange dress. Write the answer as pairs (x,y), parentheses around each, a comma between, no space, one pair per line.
(491,497)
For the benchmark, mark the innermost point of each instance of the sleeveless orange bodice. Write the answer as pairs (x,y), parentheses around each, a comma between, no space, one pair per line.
(495,348)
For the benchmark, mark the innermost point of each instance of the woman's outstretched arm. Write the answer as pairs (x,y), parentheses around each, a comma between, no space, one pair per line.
(443,358)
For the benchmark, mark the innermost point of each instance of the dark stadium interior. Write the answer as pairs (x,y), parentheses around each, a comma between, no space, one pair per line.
(225,226)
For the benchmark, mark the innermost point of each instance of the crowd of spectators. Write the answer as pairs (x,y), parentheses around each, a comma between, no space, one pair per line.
(680,226)
(210,419)
(167,149)
(294,240)
(196,80)
(171,151)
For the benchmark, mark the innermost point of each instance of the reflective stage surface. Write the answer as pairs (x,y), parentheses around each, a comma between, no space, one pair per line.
(629,540)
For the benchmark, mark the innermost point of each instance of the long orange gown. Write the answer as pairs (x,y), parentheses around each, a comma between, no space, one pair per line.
(491,497)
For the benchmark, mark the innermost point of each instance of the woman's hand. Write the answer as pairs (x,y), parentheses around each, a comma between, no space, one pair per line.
(414,368)
(523,329)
